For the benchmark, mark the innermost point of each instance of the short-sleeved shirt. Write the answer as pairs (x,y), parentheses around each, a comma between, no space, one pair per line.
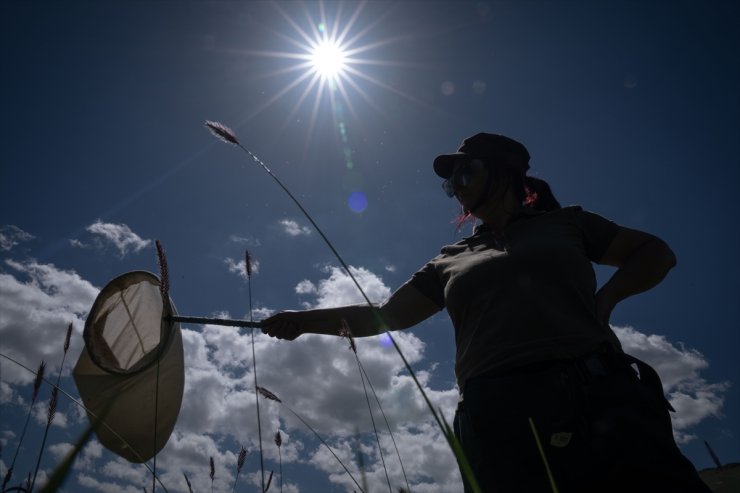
(524,296)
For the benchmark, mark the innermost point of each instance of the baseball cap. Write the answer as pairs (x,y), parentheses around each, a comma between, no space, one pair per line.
(483,145)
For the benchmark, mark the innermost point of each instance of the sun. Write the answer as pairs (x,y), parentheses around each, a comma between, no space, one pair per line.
(331,59)
(328,59)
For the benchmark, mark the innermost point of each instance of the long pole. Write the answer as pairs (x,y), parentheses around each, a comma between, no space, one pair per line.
(214,321)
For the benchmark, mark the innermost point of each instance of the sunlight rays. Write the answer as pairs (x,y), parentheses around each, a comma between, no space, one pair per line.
(329,54)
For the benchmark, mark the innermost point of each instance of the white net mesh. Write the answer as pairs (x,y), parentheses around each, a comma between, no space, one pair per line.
(132,354)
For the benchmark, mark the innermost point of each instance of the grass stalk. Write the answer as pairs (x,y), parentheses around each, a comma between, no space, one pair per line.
(279,443)
(53,402)
(98,418)
(553,485)
(269,395)
(347,332)
(56,480)
(239,464)
(387,424)
(164,289)
(212,473)
(248,269)
(36,386)
(187,481)
(227,135)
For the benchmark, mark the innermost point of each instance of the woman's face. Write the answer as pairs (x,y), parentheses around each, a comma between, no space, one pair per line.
(468,181)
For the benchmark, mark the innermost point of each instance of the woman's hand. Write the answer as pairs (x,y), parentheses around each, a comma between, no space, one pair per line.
(283,325)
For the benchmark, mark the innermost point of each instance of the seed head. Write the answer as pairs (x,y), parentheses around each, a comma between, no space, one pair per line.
(267,394)
(248,263)
(278,439)
(37,382)
(241,459)
(222,132)
(53,404)
(164,277)
(213,469)
(67,339)
(190,486)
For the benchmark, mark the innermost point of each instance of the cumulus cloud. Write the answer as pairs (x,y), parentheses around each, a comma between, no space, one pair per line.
(238,266)
(693,398)
(316,376)
(119,235)
(305,287)
(292,228)
(11,236)
(37,302)
(339,289)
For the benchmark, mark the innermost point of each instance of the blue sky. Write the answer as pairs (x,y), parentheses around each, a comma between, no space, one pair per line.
(630,110)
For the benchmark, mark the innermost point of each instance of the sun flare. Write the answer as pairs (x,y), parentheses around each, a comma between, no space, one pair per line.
(328,59)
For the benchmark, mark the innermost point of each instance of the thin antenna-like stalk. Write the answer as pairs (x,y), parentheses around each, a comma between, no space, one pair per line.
(269,395)
(279,443)
(248,270)
(239,464)
(388,425)
(36,385)
(49,418)
(100,421)
(212,473)
(347,332)
(164,289)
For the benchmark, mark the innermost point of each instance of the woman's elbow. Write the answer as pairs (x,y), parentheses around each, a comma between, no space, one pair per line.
(667,256)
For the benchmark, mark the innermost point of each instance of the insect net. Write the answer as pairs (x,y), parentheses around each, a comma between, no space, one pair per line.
(132,353)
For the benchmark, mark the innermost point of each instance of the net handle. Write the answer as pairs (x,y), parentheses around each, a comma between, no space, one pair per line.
(214,321)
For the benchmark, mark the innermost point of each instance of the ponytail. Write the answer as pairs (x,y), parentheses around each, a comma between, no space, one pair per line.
(538,195)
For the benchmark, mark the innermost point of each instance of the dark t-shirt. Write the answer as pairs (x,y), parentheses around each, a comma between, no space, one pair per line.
(525,296)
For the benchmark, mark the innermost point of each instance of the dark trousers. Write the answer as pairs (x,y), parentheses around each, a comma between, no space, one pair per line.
(602,428)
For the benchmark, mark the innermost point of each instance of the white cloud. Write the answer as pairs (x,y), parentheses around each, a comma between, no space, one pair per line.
(292,228)
(237,266)
(316,376)
(75,243)
(248,240)
(120,235)
(110,486)
(11,236)
(693,398)
(305,287)
(35,313)
(339,289)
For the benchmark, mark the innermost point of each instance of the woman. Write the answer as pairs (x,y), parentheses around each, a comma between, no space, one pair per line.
(535,352)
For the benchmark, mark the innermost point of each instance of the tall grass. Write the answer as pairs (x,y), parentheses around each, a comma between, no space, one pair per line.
(269,395)
(36,386)
(248,271)
(279,443)
(347,332)
(239,464)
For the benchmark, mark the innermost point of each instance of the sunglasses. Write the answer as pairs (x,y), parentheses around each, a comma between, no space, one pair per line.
(462,176)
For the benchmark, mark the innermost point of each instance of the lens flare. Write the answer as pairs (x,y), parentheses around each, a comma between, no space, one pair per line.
(357,201)
(385,340)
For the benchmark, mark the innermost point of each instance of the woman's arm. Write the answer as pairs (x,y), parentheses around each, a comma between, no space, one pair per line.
(643,260)
(405,307)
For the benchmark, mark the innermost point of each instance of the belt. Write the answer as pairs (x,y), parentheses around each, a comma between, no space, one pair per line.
(589,367)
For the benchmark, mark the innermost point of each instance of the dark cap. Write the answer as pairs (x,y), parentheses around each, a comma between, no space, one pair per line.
(483,146)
